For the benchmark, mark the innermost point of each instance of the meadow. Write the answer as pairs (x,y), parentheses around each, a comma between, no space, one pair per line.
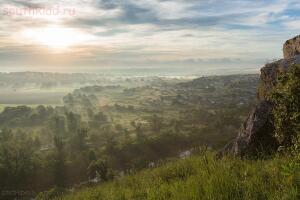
(203,177)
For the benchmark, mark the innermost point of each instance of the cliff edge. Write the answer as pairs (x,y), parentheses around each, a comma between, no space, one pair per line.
(257,132)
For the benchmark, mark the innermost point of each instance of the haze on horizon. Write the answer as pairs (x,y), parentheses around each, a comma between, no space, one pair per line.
(91,35)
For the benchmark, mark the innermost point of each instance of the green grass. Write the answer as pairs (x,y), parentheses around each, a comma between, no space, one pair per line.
(202,178)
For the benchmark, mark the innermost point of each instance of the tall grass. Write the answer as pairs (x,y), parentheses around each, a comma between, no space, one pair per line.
(202,178)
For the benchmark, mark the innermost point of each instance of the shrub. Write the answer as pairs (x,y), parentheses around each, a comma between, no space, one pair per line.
(286,99)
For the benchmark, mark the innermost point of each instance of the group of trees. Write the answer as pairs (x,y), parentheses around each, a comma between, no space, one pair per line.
(18,159)
(31,161)
(77,150)
(82,142)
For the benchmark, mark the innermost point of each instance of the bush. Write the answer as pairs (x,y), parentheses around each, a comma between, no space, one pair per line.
(286,99)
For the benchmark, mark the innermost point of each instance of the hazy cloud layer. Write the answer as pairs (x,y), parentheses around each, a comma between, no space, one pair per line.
(151,33)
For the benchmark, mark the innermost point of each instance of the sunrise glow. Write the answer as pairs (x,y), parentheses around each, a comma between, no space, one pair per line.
(56,37)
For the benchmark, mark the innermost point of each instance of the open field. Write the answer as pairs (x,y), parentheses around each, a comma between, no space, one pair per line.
(32,97)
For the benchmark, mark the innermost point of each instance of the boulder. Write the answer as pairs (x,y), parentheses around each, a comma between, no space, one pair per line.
(291,47)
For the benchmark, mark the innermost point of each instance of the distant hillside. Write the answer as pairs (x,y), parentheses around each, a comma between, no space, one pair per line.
(249,80)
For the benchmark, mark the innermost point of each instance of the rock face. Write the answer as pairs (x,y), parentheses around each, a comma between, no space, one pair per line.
(257,132)
(270,73)
(291,47)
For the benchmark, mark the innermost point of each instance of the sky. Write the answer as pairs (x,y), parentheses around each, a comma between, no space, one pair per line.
(90,35)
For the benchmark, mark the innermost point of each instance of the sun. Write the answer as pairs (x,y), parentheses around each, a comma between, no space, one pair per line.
(56,37)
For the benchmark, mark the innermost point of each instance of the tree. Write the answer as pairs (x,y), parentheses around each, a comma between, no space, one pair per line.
(156,123)
(101,118)
(99,169)
(110,139)
(78,140)
(177,125)
(73,122)
(17,159)
(69,101)
(138,130)
(92,155)
(57,125)
(59,162)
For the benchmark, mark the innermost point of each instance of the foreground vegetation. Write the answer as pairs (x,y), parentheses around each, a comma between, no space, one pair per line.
(203,177)
(102,131)
(110,136)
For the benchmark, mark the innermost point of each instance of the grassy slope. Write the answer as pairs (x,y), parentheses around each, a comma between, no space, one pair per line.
(202,177)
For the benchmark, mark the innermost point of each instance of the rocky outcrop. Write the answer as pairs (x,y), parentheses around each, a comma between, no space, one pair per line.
(291,47)
(270,73)
(257,132)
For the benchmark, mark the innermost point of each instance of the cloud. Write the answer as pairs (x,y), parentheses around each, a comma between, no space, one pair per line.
(193,13)
(26,4)
(107,4)
(293,24)
(161,32)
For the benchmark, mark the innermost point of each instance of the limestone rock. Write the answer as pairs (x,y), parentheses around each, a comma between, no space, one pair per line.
(257,132)
(270,73)
(255,135)
(291,47)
